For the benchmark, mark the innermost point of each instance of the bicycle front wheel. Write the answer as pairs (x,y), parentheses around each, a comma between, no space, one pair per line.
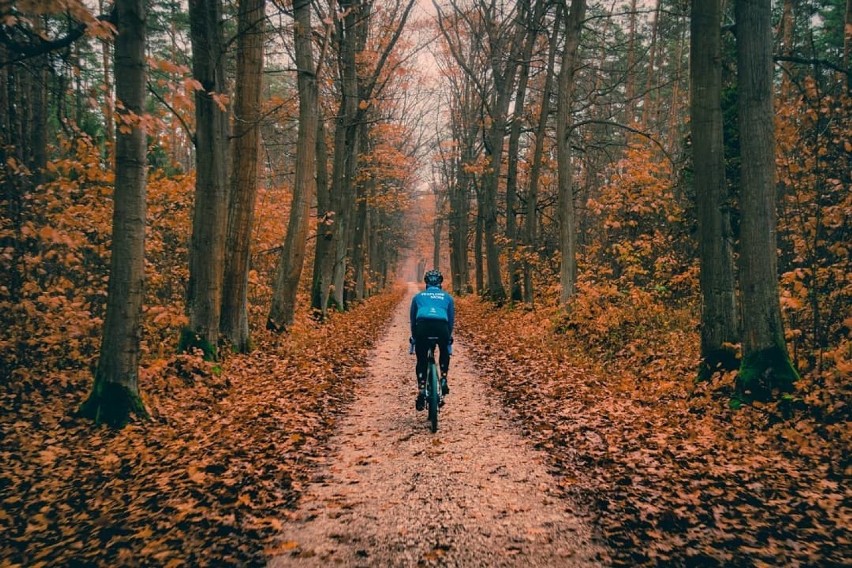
(432,397)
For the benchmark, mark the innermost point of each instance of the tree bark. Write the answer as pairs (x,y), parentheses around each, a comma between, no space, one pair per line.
(321,279)
(847,44)
(207,250)
(115,394)
(244,173)
(719,315)
(567,223)
(766,364)
(538,154)
(292,259)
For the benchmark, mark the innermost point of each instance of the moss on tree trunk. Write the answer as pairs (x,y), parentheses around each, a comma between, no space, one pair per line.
(112,404)
(190,341)
(765,371)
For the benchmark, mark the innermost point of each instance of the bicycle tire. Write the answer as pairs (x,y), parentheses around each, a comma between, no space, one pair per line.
(432,398)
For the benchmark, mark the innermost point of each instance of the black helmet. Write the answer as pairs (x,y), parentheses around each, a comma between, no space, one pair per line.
(433,278)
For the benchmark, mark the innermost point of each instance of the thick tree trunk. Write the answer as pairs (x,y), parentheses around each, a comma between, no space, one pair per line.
(766,365)
(207,250)
(244,173)
(719,314)
(115,394)
(293,254)
(567,223)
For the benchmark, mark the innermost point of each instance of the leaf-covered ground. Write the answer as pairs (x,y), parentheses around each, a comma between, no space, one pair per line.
(674,475)
(205,482)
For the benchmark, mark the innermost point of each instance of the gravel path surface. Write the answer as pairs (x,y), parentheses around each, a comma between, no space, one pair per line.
(394,494)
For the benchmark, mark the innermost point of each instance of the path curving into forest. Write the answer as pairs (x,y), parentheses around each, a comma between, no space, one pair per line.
(391,493)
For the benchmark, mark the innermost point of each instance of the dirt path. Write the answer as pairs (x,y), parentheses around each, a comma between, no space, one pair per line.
(394,494)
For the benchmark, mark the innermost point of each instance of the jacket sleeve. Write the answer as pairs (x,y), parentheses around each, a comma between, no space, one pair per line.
(451,314)
(412,314)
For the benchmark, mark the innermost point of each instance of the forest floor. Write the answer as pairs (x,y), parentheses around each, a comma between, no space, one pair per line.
(393,494)
(309,452)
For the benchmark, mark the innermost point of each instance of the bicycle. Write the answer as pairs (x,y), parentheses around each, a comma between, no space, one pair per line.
(434,397)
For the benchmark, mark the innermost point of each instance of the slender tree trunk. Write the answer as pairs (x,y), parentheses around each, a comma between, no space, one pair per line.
(115,394)
(332,263)
(359,237)
(567,223)
(207,251)
(293,254)
(719,314)
(648,99)
(538,154)
(674,110)
(533,24)
(788,26)
(847,45)
(321,280)
(766,365)
(247,113)
(477,246)
(630,87)
(109,105)
(37,127)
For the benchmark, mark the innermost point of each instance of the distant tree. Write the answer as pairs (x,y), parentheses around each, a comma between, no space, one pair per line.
(766,364)
(115,394)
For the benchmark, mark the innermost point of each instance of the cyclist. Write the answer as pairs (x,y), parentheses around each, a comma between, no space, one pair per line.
(432,315)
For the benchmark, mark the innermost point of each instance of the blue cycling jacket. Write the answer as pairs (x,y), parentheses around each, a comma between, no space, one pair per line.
(433,304)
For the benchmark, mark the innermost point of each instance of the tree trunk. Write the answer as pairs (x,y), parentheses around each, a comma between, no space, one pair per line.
(293,254)
(719,315)
(321,279)
(477,246)
(847,44)
(207,250)
(109,105)
(567,228)
(244,174)
(333,260)
(630,75)
(538,154)
(437,229)
(648,111)
(513,151)
(115,394)
(359,239)
(766,365)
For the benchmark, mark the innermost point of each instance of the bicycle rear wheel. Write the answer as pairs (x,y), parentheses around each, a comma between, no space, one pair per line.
(432,397)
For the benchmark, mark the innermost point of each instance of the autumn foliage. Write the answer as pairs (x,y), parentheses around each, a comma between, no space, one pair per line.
(672,474)
(207,481)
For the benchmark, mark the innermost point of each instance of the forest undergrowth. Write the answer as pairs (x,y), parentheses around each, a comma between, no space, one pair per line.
(206,481)
(674,475)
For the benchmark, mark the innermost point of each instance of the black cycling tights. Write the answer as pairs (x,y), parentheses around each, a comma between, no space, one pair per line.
(422,331)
